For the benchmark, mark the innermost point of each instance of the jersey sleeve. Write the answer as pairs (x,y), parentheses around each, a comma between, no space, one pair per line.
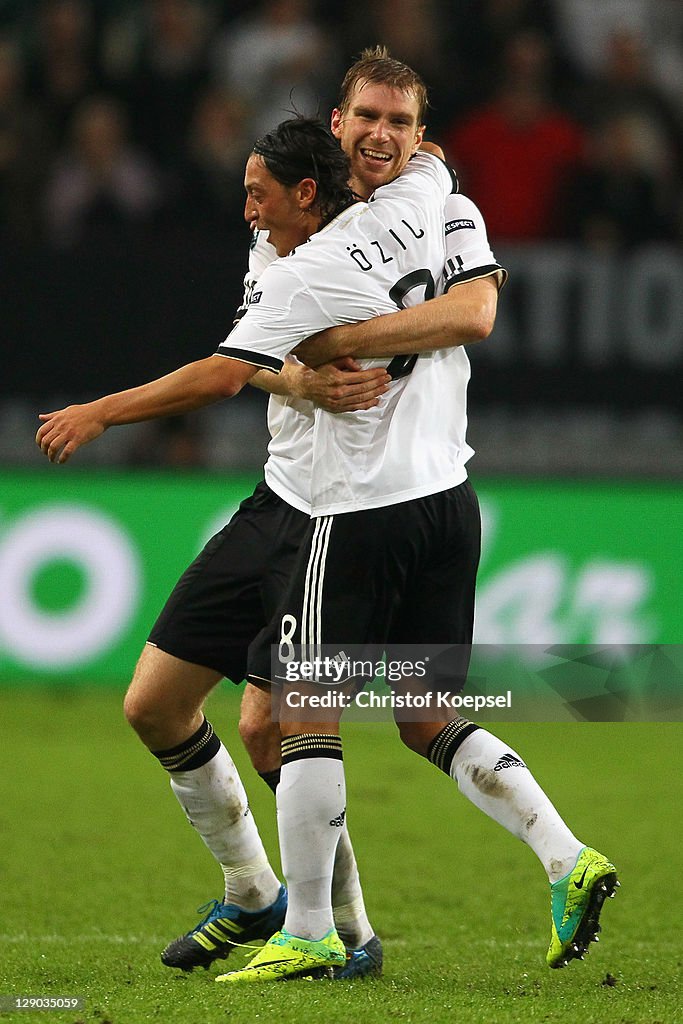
(468,253)
(261,255)
(281,313)
(425,175)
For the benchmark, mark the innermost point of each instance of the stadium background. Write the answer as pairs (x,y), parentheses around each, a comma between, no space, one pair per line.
(124,130)
(124,127)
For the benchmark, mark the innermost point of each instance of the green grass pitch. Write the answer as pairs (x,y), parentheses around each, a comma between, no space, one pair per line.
(99,870)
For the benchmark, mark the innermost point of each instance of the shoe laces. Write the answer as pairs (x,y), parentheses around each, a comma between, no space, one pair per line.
(213,909)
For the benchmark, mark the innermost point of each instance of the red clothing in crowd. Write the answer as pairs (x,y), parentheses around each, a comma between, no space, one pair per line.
(517,173)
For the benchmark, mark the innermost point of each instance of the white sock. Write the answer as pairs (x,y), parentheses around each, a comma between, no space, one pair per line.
(350,917)
(311,809)
(215,803)
(490,774)
(348,906)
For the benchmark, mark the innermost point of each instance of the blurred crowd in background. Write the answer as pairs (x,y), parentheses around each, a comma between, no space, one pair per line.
(132,119)
(564,118)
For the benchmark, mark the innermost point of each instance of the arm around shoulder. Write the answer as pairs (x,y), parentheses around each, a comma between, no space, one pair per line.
(465,314)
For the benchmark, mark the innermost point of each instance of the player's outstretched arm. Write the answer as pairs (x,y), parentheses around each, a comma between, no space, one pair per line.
(341,386)
(192,386)
(465,314)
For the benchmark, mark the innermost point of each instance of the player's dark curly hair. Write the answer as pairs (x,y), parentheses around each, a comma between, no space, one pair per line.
(306,148)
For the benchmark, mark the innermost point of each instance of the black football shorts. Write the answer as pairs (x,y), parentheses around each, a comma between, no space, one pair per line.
(402,574)
(234,586)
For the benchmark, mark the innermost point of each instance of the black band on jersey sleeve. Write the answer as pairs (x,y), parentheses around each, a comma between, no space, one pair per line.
(264,362)
(473,275)
(455,184)
(454,177)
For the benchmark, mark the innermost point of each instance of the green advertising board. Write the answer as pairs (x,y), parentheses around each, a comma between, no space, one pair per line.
(87,559)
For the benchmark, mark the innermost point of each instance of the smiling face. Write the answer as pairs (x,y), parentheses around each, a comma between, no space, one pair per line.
(285,211)
(379,131)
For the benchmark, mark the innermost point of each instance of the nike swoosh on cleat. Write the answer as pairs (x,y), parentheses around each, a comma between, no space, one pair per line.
(579,884)
(274,963)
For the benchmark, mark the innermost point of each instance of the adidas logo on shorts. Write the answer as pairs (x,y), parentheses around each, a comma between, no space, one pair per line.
(339,820)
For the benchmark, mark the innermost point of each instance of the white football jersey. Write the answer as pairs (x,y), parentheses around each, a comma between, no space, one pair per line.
(371,260)
(290,420)
(414,443)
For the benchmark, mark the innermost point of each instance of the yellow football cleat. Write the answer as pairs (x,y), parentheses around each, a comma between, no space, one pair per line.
(575,904)
(287,956)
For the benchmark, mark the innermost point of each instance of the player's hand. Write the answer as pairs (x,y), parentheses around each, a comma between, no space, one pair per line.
(433,148)
(66,430)
(341,386)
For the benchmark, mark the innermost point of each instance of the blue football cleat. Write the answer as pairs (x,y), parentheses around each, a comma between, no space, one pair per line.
(224,927)
(363,962)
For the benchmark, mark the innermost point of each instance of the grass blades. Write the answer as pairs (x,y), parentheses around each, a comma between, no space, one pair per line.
(100,870)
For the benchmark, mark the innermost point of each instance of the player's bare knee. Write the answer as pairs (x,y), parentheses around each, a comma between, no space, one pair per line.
(262,744)
(261,738)
(160,726)
(166,696)
(259,729)
(141,713)
(152,712)
(250,730)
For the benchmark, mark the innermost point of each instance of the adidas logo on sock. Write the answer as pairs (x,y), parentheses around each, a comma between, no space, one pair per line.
(508,761)
(339,820)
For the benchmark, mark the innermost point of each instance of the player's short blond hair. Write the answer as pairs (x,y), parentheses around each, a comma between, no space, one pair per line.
(375,65)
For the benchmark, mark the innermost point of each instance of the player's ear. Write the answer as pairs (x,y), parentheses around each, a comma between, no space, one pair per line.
(336,122)
(419,136)
(307,191)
